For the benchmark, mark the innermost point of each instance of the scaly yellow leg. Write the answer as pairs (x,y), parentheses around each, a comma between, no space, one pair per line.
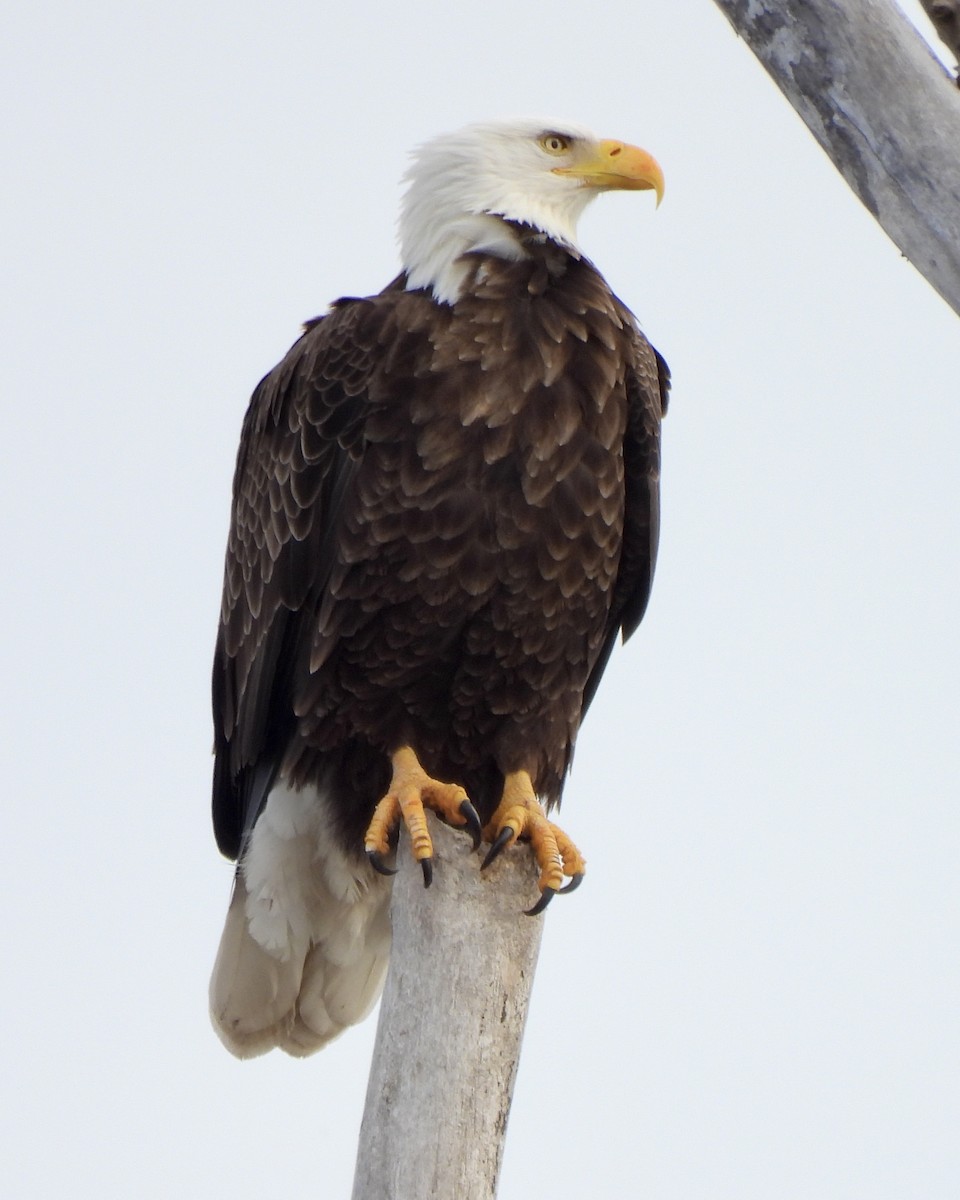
(520,814)
(411,791)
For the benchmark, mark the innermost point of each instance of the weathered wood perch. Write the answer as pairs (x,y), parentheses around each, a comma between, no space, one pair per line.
(881,106)
(451,1024)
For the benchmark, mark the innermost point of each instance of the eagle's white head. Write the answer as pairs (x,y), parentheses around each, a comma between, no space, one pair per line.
(463,186)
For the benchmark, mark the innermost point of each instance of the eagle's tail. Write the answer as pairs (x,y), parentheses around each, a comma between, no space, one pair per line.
(305,947)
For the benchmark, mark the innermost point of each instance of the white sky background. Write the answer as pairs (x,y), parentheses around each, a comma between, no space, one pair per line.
(755,993)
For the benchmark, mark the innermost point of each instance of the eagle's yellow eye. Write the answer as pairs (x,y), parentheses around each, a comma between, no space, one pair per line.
(555,143)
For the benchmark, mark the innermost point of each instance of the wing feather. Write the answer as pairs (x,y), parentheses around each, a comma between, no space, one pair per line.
(648,386)
(301,436)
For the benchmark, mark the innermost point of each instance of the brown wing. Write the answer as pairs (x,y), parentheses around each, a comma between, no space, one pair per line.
(301,438)
(648,386)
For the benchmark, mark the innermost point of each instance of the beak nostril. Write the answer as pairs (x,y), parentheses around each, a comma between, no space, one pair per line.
(615,151)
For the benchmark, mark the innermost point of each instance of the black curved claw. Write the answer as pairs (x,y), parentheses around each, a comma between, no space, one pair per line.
(545,898)
(575,881)
(503,839)
(378,864)
(426,865)
(472,822)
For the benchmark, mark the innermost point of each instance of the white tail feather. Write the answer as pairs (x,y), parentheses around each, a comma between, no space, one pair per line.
(306,943)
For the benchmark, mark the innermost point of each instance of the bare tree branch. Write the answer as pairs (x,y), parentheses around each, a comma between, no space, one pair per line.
(877,101)
(451,1023)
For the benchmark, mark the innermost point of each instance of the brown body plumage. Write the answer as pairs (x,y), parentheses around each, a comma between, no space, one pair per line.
(443,516)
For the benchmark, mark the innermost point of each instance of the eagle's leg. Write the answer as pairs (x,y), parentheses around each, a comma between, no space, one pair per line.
(520,814)
(411,791)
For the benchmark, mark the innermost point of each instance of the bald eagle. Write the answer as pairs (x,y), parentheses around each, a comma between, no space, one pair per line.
(445,512)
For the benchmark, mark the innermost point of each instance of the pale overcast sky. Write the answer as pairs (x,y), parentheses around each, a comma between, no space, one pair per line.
(755,993)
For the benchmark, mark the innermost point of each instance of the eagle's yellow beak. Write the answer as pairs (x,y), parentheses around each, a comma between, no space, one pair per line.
(609,165)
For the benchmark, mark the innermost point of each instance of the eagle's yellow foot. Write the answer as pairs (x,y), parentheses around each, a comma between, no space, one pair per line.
(520,814)
(411,791)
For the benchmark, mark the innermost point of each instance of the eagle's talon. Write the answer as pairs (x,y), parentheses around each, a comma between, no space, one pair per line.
(412,791)
(521,815)
(376,861)
(575,881)
(545,898)
(500,843)
(471,819)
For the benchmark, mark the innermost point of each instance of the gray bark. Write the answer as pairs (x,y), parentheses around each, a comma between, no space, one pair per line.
(451,1023)
(883,109)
